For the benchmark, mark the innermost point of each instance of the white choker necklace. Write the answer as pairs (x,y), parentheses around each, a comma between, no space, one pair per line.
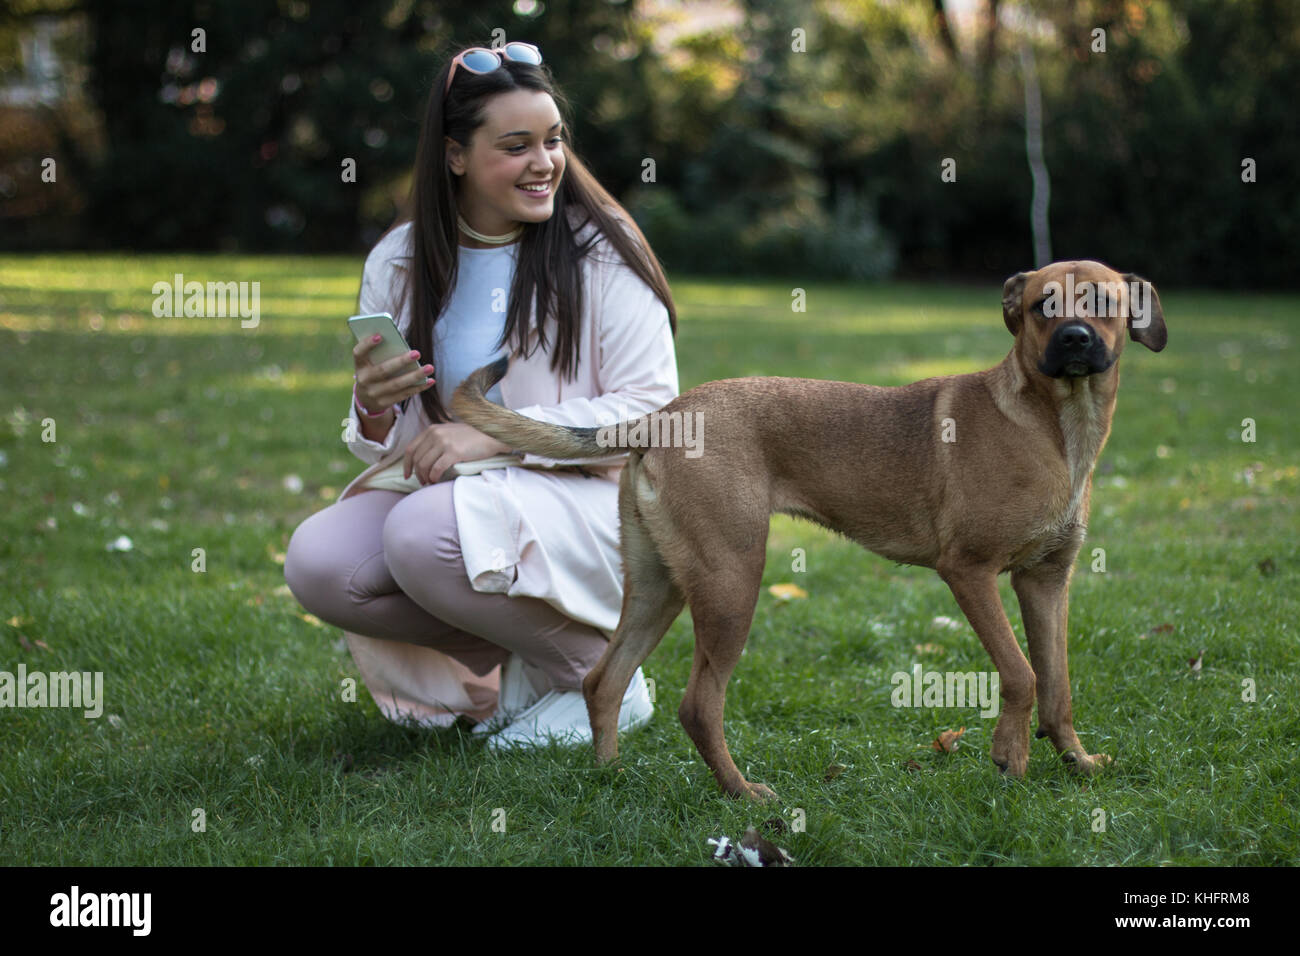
(491,240)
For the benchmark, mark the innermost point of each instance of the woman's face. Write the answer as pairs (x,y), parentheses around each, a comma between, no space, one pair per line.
(518,144)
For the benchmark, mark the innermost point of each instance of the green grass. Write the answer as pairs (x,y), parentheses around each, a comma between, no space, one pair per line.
(179,433)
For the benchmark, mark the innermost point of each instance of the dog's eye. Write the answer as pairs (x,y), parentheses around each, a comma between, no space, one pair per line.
(1037,307)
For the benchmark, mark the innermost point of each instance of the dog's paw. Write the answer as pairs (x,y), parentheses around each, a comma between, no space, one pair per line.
(758,793)
(606,748)
(1013,761)
(1010,750)
(1011,768)
(1086,764)
(1012,765)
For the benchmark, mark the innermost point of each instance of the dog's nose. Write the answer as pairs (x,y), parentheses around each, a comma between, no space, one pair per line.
(1076,335)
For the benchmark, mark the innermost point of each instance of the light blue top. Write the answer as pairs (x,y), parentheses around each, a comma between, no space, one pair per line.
(465,335)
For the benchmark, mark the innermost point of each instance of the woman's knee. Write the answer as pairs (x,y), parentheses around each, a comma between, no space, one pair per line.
(420,532)
(312,565)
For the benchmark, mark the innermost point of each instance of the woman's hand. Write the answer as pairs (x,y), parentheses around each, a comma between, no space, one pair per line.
(381,386)
(440,446)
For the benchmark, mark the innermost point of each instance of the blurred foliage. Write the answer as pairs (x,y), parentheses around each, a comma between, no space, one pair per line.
(799,137)
(241,145)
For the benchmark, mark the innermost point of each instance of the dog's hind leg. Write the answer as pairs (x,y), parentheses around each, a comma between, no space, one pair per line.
(722,607)
(651,602)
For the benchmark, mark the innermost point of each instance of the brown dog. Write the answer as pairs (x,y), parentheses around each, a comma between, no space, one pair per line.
(971,475)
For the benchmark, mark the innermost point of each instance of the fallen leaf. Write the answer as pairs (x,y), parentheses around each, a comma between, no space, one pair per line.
(313,619)
(947,741)
(1267,567)
(787,592)
(936,649)
(833,771)
(1195,662)
(913,766)
(1162,629)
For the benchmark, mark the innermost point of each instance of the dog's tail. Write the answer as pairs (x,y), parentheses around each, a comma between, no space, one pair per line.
(527,434)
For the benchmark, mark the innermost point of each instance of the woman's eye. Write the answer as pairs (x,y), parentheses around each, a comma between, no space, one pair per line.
(557,139)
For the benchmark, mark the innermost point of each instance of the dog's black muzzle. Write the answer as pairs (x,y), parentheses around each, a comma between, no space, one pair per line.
(1075,350)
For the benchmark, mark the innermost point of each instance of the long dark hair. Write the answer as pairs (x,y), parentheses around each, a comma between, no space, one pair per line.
(548,268)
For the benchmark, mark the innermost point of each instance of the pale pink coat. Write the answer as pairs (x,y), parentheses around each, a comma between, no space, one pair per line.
(558,530)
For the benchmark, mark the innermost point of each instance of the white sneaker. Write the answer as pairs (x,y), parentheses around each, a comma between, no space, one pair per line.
(516,694)
(561,716)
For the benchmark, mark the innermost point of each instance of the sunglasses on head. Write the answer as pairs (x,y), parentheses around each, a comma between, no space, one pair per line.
(479,59)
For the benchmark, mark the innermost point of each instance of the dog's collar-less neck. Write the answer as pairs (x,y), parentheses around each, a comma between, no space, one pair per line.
(1078,407)
(1084,417)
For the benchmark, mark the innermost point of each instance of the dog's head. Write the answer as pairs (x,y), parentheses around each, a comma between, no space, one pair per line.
(1070,318)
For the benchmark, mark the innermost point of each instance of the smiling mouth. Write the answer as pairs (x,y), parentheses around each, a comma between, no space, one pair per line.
(544,190)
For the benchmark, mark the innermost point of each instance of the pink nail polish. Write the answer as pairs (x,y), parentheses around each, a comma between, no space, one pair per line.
(377,338)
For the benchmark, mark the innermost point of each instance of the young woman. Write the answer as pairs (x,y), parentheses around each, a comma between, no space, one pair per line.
(511,242)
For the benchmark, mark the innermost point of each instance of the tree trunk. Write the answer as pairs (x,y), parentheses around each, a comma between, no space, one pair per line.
(945,31)
(1034,152)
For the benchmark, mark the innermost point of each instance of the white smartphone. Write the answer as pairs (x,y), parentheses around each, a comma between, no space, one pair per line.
(365,327)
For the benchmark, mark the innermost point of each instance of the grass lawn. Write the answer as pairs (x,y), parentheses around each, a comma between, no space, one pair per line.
(223,696)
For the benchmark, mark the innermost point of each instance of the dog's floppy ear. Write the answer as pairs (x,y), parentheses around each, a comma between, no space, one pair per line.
(1013,291)
(1144,307)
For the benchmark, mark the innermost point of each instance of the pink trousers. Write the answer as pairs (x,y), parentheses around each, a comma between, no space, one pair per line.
(388,565)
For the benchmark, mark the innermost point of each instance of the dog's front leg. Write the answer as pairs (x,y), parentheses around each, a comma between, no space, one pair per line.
(976,591)
(1043,591)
